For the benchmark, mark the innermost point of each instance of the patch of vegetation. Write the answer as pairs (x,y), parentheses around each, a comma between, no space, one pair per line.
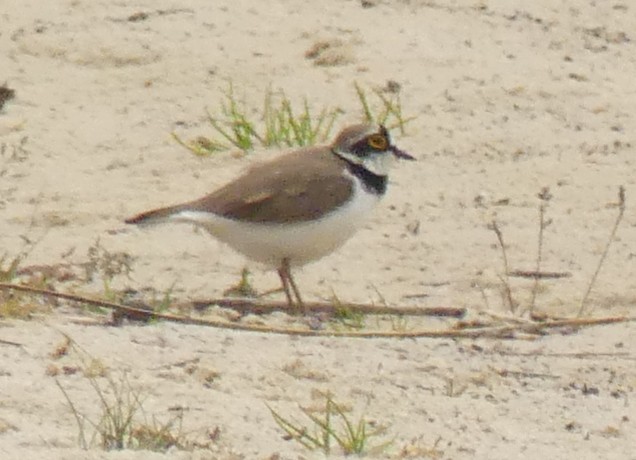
(387,109)
(16,304)
(282,124)
(106,265)
(347,317)
(332,429)
(418,449)
(9,267)
(278,124)
(538,274)
(243,288)
(122,422)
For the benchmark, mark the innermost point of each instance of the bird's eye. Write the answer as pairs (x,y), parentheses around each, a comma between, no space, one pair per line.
(378,142)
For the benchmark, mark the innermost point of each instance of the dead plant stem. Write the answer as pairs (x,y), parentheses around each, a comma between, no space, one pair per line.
(505,279)
(610,240)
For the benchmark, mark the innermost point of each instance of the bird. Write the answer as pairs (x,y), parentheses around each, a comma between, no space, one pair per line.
(296,208)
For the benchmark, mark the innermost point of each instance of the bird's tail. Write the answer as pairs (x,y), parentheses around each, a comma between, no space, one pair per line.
(156,216)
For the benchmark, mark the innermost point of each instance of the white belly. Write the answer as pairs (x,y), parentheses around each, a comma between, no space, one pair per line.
(300,242)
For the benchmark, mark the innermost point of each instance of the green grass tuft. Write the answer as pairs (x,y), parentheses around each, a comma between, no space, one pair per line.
(277,124)
(333,428)
(280,123)
(389,112)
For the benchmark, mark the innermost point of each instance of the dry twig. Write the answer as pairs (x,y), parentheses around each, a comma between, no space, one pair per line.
(247,305)
(481,330)
(610,240)
(545,196)
(506,281)
(539,274)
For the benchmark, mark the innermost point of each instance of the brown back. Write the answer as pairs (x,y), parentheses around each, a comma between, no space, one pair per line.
(297,187)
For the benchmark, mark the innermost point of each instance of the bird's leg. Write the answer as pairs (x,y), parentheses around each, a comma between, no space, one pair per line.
(296,291)
(288,281)
(285,281)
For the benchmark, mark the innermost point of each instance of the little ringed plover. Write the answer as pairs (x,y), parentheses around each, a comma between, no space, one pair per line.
(297,208)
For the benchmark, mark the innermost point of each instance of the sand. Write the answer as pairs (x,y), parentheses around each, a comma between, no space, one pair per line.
(509,98)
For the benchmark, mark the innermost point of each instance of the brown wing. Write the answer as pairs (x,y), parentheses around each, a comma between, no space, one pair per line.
(297,187)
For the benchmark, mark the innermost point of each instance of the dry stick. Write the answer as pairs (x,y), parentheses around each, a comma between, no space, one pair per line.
(535,274)
(545,197)
(246,305)
(575,355)
(535,283)
(239,304)
(511,303)
(497,331)
(130,311)
(619,218)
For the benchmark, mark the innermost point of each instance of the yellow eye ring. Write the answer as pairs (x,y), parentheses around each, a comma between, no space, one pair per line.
(378,142)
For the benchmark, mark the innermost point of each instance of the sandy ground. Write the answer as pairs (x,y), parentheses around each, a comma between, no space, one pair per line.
(509,97)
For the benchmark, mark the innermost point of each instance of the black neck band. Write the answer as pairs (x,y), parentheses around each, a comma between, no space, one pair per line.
(372,182)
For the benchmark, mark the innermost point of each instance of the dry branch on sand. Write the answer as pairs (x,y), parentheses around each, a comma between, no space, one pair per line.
(460,329)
